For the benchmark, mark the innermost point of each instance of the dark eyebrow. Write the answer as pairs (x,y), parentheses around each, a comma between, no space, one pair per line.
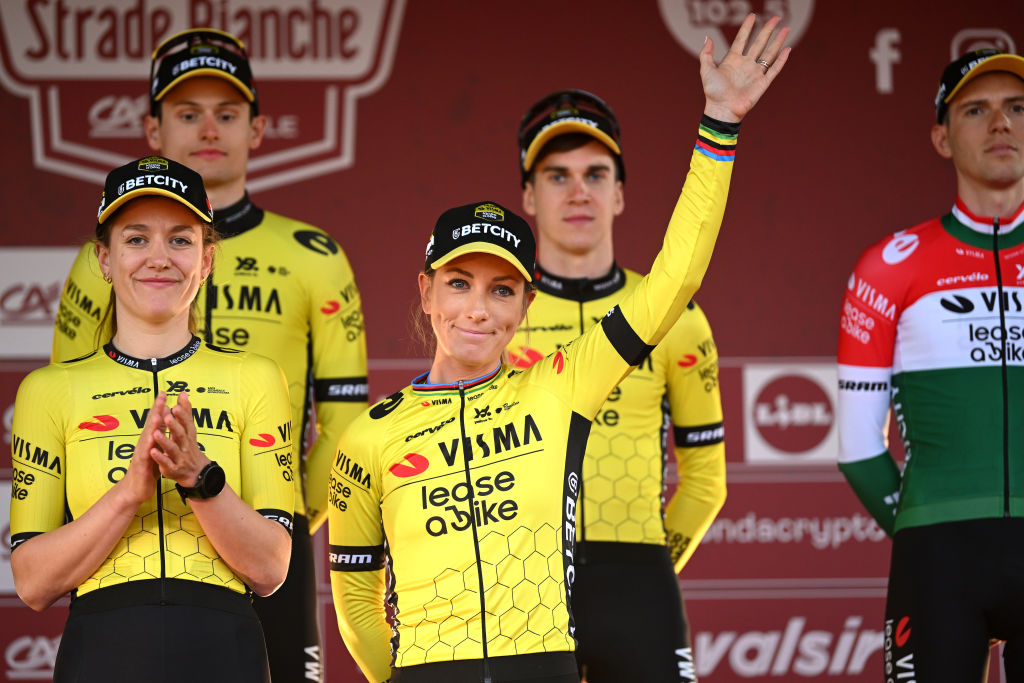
(564,170)
(982,101)
(143,227)
(466,273)
(193,103)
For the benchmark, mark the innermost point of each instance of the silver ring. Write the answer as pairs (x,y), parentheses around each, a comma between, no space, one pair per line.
(763,63)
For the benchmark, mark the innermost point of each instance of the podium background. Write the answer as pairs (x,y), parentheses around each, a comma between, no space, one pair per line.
(385,113)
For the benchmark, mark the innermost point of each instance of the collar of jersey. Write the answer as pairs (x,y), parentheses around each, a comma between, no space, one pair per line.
(235,219)
(153,364)
(582,288)
(977,230)
(421,386)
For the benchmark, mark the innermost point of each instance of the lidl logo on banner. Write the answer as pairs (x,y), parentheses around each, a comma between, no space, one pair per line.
(690,21)
(84,73)
(789,413)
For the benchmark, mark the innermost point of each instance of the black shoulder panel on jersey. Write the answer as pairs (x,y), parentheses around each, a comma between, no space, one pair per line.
(341,389)
(18,539)
(579,432)
(627,342)
(317,241)
(356,558)
(386,406)
(700,435)
(75,360)
(280,516)
(222,349)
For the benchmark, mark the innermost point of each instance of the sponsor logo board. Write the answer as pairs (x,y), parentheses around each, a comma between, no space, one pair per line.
(838,646)
(84,75)
(31,281)
(789,413)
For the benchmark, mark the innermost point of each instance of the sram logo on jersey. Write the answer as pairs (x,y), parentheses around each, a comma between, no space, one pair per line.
(461,506)
(356,558)
(859,385)
(500,438)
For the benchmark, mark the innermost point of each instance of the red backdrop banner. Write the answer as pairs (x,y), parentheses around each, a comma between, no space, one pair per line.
(384,113)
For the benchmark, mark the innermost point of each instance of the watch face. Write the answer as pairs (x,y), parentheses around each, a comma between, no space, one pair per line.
(213,480)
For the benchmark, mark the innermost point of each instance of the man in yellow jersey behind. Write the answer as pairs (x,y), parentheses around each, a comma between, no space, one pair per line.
(630,621)
(279,287)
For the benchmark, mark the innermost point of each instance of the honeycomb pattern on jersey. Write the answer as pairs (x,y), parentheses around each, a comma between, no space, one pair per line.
(622,489)
(526,610)
(137,555)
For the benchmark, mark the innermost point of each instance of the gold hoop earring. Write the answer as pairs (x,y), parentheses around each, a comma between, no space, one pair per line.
(202,282)
(107,278)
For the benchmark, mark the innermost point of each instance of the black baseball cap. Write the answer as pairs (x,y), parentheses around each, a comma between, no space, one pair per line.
(483,227)
(567,111)
(155,176)
(960,71)
(200,52)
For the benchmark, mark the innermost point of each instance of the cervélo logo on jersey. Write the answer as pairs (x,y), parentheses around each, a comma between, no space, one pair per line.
(84,71)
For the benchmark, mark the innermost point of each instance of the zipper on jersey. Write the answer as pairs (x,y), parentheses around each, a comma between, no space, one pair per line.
(160,504)
(1006,399)
(472,523)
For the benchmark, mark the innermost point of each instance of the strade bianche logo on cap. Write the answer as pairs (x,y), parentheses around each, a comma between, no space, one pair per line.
(491,212)
(85,74)
(153,164)
(689,22)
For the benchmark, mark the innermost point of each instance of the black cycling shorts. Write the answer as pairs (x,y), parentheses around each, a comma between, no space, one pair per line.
(290,616)
(541,667)
(163,631)
(630,621)
(954,587)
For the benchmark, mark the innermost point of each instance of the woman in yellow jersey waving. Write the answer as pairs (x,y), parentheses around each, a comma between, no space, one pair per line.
(155,485)
(463,485)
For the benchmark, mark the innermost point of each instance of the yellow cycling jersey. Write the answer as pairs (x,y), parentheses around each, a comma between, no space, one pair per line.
(622,497)
(467,492)
(75,428)
(280,288)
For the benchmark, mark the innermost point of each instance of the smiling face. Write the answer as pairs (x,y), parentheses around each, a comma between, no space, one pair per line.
(984,133)
(205,124)
(155,256)
(575,198)
(475,303)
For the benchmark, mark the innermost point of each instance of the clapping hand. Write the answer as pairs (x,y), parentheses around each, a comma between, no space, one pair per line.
(177,453)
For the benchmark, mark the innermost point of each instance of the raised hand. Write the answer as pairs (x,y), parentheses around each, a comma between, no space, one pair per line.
(178,454)
(732,88)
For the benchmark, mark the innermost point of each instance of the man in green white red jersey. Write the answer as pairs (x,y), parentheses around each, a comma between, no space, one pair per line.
(933,323)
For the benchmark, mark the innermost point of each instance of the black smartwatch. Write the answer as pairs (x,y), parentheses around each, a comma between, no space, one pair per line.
(209,483)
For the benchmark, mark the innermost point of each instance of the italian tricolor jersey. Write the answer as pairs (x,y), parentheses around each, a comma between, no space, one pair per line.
(931,324)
